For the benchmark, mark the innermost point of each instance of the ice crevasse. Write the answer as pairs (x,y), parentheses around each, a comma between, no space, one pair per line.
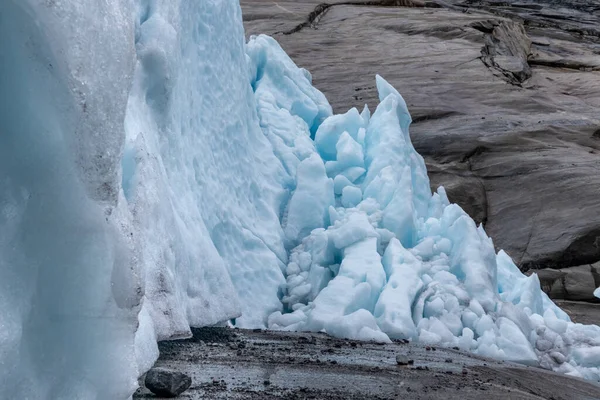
(157,173)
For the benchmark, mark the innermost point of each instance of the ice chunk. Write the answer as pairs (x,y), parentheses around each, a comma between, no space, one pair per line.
(289,108)
(514,344)
(394,306)
(349,152)
(330,131)
(354,228)
(277,77)
(356,287)
(351,196)
(587,357)
(309,205)
(339,183)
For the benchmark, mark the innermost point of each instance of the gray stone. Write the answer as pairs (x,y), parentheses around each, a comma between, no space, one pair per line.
(575,283)
(507,48)
(505,101)
(402,359)
(167,382)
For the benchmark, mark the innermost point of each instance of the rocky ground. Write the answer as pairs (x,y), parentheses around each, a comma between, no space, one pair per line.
(241,364)
(505,97)
(581,312)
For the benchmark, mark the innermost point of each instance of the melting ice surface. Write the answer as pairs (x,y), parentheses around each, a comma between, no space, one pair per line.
(158,173)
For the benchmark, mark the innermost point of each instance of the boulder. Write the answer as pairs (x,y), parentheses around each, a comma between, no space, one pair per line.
(574,283)
(165,382)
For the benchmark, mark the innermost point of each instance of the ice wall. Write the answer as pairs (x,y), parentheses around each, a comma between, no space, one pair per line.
(63,242)
(200,178)
(139,193)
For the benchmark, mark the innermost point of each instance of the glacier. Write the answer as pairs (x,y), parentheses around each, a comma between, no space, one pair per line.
(158,172)
(396,262)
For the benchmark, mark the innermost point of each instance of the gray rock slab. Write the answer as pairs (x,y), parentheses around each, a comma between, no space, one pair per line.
(574,283)
(516,139)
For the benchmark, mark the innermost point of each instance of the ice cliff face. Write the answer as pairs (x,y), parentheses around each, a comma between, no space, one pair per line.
(69,279)
(158,173)
(112,115)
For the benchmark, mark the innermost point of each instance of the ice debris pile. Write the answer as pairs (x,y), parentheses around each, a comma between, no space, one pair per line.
(375,256)
(159,173)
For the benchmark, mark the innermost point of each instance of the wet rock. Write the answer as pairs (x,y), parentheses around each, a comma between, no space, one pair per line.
(238,379)
(402,359)
(167,382)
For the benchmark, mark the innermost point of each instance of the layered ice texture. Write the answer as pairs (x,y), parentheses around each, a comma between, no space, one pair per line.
(136,181)
(158,173)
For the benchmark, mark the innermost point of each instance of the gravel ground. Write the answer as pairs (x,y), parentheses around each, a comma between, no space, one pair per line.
(243,364)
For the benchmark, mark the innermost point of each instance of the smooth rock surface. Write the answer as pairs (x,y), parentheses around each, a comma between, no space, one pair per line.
(575,283)
(167,382)
(581,312)
(505,98)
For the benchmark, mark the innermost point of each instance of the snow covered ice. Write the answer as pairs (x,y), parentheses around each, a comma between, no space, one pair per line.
(159,173)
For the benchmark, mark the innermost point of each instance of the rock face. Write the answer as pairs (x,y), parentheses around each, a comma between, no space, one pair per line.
(167,382)
(575,283)
(505,98)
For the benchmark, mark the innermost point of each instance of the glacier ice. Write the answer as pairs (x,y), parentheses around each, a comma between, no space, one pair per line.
(140,195)
(394,261)
(68,274)
(159,173)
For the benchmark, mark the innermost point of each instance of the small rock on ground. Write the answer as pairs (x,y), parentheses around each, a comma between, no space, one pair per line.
(401,359)
(167,382)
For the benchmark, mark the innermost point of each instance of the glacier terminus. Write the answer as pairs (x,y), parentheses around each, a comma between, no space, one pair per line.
(158,172)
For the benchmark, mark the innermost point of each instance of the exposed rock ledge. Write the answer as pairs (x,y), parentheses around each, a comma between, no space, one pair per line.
(505,97)
(575,283)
